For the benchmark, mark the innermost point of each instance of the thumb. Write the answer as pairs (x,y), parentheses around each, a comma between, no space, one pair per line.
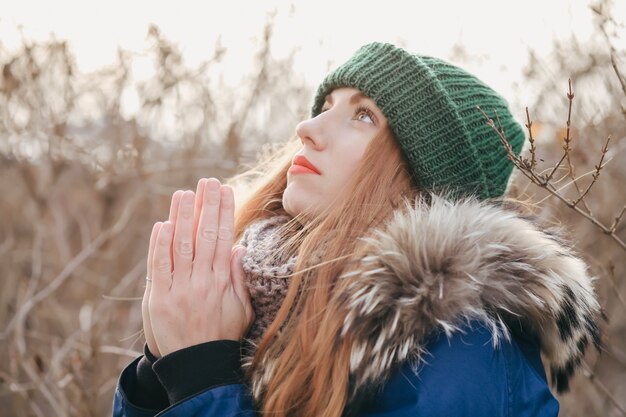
(239,285)
(237,275)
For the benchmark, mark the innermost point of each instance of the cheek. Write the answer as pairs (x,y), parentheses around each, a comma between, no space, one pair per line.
(346,164)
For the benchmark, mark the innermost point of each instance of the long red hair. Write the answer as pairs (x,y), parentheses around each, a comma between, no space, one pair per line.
(311,375)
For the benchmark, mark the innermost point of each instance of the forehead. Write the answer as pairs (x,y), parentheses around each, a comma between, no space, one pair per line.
(344,92)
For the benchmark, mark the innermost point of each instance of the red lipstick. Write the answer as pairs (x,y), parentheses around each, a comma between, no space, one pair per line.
(302,165)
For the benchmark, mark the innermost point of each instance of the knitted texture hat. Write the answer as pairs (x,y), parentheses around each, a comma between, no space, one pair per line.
(430,106)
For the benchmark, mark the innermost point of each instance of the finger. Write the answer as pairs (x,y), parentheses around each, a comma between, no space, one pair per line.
(161,262)
(153,239)
(174,206)
(183,245)
(145,312)
(206,239)
(223,249)
(197,208)
(174,212)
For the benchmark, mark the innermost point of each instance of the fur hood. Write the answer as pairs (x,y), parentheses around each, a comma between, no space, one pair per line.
(442,264)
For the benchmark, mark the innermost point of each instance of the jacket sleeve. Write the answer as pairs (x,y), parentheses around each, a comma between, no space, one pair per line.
(203,380)
(466,376)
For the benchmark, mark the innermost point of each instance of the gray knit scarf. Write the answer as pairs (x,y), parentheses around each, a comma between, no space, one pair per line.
(267,289)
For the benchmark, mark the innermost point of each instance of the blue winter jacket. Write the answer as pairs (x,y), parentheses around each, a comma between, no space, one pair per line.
(444,281)
(463,376)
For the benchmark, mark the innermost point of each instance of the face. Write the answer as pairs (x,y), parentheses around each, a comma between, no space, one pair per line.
(334,142)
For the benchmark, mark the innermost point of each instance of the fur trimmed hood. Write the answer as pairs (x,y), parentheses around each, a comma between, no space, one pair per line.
(442,264)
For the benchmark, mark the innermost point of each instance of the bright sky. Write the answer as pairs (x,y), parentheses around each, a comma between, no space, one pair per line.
(496,34)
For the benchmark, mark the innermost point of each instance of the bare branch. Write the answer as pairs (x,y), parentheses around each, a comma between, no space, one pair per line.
(41,386)
(567,139)
(618,219)
(618,293)
(571,170)
(524,167)
(596,174)
(533,147)
(73,264)
(605,18)
(563,187)
(137,271)
(591,376)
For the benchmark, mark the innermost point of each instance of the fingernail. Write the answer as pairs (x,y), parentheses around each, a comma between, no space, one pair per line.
(213,184)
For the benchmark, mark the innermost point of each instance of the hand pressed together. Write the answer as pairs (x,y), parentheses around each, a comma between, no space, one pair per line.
(197,291)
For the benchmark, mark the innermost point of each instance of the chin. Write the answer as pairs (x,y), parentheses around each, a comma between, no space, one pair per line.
(293,208)
(288,203)
(294,203)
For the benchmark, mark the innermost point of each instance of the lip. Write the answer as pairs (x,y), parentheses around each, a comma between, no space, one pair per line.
(301,161)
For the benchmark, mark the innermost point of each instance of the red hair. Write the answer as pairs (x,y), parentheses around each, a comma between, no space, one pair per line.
(310,376)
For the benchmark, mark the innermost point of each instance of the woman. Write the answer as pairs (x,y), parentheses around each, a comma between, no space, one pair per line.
(383,273)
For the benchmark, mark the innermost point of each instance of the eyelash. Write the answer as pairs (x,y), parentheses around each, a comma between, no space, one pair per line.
(360,109)
(367,111)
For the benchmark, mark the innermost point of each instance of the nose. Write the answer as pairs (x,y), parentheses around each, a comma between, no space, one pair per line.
(311,131)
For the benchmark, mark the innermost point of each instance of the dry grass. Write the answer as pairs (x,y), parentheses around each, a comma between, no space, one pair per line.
(82,185)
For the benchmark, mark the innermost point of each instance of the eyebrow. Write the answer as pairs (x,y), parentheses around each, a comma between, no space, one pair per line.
(356,97)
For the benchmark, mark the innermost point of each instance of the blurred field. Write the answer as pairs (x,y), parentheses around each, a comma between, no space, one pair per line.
(82,184)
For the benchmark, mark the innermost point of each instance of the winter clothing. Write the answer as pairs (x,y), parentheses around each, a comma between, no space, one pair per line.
(266,278)
(431,109)
(448,314)
(449,311)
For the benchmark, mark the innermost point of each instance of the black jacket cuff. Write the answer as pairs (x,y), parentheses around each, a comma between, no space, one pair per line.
(197,368)
(149,393)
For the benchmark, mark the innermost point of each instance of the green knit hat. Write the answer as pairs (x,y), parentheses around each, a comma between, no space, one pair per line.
(431,109)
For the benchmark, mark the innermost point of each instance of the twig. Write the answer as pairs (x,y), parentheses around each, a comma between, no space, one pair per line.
(612,51)
(8,243)
(98,312)
(618,219)
(112,298)
(35,275)
(116,350)
(519,162)
(72,266)
(611,276)
(21,388)
(592,219)
(596,174)
(591,376)
(533,162)
(36,409)
(567,139)
(571,171)
(616,354)
(617,71)
(522,166)
(561,188)
(533,147)
(32,374)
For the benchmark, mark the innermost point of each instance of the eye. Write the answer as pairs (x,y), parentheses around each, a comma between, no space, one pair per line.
(365,111)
